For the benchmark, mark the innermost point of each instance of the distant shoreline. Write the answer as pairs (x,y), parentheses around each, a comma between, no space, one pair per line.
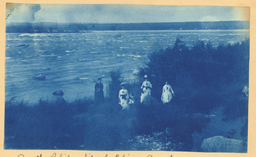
(95,31)
(89,27)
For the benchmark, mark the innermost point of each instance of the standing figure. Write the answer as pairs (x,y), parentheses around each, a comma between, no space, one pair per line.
(146,88)
(123,96)
(167,93)
(98,94)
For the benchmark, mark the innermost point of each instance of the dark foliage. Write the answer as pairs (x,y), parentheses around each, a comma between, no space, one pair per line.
(203,78)
(199,75)
(114,85)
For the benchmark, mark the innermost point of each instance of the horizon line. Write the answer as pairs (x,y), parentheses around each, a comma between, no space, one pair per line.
(130,22)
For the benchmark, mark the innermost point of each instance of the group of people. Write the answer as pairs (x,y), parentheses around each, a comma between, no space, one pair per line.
(167,93)
(125,98)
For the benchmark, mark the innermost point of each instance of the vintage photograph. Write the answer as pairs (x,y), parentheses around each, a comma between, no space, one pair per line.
(115,77)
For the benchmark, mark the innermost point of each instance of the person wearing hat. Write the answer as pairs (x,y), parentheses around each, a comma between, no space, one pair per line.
(146,88)
(98,93)
(123,96)
(167,93)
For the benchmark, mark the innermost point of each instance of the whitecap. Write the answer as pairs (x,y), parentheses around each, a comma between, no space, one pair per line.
(25,34)
(204,39)
(41,50)
(68,51)
(137,56)
(32,34)
(231,42)
(94,52)
(52,55)
(82,59)
(7,57)
(37,39)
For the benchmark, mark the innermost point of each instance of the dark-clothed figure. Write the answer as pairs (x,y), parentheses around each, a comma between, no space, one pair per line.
(98,94)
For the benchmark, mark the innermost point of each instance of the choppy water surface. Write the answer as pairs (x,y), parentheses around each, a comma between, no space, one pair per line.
(72,62)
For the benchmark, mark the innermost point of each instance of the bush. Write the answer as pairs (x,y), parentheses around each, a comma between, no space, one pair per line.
(197,75)
(114,85)
(203,78)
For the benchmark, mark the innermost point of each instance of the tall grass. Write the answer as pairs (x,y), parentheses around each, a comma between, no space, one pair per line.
(45,125)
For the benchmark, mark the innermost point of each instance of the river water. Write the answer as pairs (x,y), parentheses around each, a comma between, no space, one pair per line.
(72,62)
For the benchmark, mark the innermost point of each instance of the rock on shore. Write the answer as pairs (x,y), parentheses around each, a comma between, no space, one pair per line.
(222,144)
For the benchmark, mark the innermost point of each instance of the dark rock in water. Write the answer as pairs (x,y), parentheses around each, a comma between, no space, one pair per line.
(22,45)
(40,77)
(47,68)
(58,93)
(222,144)
(47,53)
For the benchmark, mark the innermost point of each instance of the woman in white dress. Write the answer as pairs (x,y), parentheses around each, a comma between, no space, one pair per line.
(123,97)
(146,88)
(167,93)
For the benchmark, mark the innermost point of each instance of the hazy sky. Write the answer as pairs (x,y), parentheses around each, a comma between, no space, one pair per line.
(122,13)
